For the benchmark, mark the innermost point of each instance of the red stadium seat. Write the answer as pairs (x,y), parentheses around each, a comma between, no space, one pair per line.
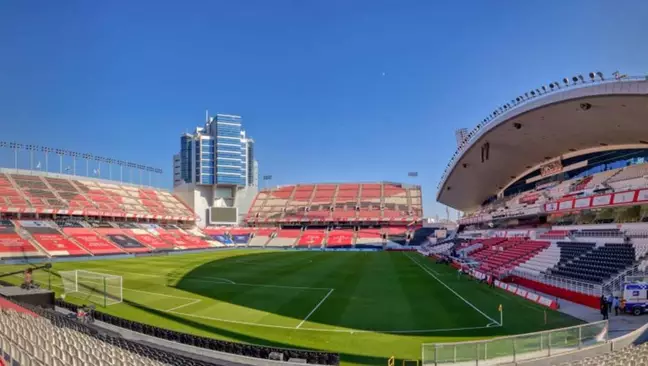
(311,238)
(340,238)
(92,241)
(12,245)
(58,245)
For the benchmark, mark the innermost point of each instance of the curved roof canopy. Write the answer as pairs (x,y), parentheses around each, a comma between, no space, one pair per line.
(571,119)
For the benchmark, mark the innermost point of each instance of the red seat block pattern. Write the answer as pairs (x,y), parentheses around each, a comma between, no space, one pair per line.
(58,245)
(339,238)
(313,238)
(92,242)
(12,245)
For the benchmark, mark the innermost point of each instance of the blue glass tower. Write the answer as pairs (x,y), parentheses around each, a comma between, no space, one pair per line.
(218,154)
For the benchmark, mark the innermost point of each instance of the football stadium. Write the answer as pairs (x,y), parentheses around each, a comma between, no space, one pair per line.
(552,243)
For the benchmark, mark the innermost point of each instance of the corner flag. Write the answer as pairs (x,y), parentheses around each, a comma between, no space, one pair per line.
(500,308)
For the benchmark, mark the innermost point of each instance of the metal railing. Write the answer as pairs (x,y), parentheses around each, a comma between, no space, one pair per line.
(515,348)
(503,114)
(581,287)
(616,283)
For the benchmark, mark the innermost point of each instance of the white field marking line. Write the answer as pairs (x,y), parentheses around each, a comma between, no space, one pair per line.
(173,311)
(210,280)
(451,290)
(315,308)
(334,330)
(128,289)
(185,305)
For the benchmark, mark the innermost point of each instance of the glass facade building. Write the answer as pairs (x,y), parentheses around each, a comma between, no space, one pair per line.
(219,153)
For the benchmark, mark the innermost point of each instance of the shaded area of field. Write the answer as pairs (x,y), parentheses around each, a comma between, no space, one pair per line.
(262,297)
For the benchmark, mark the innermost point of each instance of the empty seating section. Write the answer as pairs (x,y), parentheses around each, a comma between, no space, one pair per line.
(37,192)
(311,238)
(12,244)
(28,339)
(150,239)
(369,238)
(181,239)
(262,236)
(91,241)
(511,253)
(337,202)
(240,235)
(630,172)
(581,184)
(9,196)
(545,259)
(340,239)
(285,238)
(47,235)
(602,233)
(593,264)
(421,236)
(601,178)
(96,198)
(488,245)
(554,234)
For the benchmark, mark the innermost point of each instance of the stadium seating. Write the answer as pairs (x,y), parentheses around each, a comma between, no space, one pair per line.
(540,263)
(50,239)
(337,202)
(240,236)
(340,239)
(515,252)
(586,262)
(632,354)
(554,234)
(311,238)
(421,236)
(42,194)
(13,245)
(262,236)
(89,240)
(284,238)
(369,238)
(151,240)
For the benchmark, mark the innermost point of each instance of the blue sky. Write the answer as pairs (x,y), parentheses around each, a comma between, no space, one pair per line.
(123,79)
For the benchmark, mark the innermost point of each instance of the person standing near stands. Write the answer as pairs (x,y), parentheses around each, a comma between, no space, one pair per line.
(28,279)
(604,307)
(615,304)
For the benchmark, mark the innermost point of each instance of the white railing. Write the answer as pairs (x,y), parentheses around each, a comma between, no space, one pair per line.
(512,349)
(581,287)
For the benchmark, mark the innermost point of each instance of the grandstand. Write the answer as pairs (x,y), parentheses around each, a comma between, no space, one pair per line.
(566,219)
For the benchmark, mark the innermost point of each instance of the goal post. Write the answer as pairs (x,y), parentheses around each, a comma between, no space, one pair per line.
(99,288)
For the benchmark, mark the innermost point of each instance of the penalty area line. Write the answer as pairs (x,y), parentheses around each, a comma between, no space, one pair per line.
(315,308)
(184,305)
(424,268)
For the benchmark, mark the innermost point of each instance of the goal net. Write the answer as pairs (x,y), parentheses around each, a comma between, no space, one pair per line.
(99,288)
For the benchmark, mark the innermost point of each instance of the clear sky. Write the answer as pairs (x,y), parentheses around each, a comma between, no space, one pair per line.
(330,90)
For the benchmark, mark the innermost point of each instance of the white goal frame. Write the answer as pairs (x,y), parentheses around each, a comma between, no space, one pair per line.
(70,281)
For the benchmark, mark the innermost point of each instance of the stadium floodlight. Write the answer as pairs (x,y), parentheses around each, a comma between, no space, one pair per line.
(532,94)
(544,89)
(580,77)
(574,79)
(565,81)
(600,75)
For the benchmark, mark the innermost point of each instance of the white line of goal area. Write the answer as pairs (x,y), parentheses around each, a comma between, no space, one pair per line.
(193,301)
(492,323)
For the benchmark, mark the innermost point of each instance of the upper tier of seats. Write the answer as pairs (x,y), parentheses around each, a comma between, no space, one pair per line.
(380,202)
(72,196)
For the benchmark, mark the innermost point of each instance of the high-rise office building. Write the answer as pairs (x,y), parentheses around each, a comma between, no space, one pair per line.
(216,167)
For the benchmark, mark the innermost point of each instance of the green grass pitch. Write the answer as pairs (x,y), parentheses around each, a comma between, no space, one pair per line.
(367,306)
